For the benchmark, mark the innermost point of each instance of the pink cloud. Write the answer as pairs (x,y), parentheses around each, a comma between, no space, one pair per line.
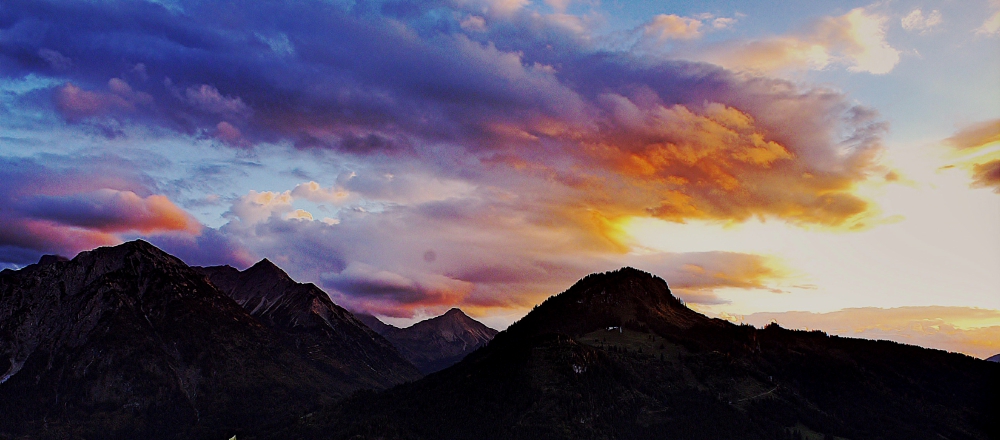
(76,103)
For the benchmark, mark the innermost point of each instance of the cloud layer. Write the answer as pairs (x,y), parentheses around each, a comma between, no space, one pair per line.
(500,139)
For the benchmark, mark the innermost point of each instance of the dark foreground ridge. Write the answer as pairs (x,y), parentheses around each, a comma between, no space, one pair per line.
(129,342)
(618,357)
(436,343)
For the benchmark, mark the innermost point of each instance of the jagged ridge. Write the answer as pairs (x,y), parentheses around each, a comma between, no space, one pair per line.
(129,342)
(306,316)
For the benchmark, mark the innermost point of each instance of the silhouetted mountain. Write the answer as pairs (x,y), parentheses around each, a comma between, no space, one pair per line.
(374,323)
(994,358)
(437,343)
(310,321)
(618,357)
(49,259)
(129,342)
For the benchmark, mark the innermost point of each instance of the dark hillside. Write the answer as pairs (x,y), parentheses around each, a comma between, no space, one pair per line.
(618,357)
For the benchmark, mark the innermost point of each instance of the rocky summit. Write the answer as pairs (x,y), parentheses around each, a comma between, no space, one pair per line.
(129,342)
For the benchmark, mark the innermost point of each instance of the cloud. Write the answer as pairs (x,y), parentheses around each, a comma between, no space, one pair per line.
(507,142)
(314,192)
(669,27)
(76,103)
(916,21)
(208,98)
(976,135)
(991,26)
(977,146)
(972,331)
(987,175)
(55,59)
(109,210)
(485,254)
(695,276)
(391,294)
(78,203)
(209,248)
(856,40)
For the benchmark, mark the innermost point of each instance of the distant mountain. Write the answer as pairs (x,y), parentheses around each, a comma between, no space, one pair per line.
(994,358)
(307,319)
(437,343)
(375,324)
(129,342)
(617,356)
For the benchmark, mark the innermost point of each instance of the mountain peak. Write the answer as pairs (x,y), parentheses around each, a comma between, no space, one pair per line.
(265,266)
(50,259)
(436,343)
(455,312)
(626,296)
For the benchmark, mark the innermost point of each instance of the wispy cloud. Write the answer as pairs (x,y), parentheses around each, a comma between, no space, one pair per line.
(917,21)
(855,40)
(978,146)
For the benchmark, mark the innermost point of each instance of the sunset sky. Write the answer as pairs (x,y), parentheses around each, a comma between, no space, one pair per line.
(827,165)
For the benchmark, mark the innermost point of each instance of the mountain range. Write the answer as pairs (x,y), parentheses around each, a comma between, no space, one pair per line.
(437,343)
(130,342)
(617,356)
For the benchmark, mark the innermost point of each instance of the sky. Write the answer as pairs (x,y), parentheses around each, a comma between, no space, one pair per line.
(823,165)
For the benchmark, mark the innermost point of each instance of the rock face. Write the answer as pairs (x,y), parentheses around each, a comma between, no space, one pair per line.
(129,342)
(618,357)
(307,319)
(437,343)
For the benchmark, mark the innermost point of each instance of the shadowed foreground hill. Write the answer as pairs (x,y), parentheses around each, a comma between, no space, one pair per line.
(618,357)
(436,343)
(129,342)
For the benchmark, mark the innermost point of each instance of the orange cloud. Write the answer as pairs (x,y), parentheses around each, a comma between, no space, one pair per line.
(668,27)
(109,210)
(976,135)
(987,175)
(717,162)
(968,330)
(979,148)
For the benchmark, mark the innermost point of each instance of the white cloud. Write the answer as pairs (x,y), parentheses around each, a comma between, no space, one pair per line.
(991,26)
(916,21)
